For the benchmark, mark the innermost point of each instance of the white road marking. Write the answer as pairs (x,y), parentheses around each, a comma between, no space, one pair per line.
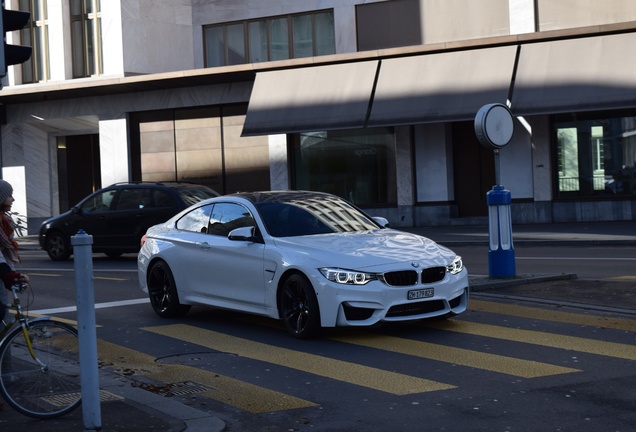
(97,306)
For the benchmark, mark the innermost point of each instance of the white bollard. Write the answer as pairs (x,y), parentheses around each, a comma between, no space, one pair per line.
(87,329)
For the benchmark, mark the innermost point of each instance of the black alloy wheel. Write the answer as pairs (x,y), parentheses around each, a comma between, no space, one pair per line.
(162,292)
(299,307)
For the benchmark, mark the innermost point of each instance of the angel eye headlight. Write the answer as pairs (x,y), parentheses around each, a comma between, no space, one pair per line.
(456,266)
(347,277)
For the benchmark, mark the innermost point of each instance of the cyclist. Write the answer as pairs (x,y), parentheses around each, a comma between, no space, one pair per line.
(9,248)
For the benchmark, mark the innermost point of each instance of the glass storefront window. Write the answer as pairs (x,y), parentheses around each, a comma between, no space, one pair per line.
(595,156)
(357,165)
(201,145)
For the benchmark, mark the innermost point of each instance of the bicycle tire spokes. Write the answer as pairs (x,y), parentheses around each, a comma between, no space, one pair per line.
(48,386)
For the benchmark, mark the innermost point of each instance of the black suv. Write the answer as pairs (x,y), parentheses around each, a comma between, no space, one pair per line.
(118,216)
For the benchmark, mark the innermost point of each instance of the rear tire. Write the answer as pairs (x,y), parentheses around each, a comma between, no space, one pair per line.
(162,291)
(299,308)
(58,246)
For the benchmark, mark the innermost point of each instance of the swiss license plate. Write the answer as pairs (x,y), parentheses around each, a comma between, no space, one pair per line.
(421,293)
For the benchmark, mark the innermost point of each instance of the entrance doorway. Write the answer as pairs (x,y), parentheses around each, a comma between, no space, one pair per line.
(474,167)
(78,168)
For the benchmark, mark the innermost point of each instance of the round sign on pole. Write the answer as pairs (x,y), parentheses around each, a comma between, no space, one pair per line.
(494,125)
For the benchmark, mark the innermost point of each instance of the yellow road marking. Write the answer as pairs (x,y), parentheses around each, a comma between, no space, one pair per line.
(609,349)
(33,316)
(109,278)
(460,356)
(629,278)
(552,315)
(365,376)
(70,322)
(45,274)
(248,397)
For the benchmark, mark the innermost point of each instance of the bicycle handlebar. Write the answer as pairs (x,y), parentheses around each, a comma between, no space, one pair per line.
(19,286)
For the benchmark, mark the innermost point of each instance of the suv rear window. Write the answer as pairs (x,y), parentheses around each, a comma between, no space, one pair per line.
(194,195)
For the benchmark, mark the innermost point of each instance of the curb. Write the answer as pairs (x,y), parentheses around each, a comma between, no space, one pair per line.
(482,283)
(178,416)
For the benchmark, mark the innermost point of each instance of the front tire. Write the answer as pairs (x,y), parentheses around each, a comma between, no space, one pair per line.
(58,246)
(299,308)
(50,386)
(162,291)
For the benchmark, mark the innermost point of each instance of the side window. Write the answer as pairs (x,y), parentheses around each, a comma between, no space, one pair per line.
(228,216)
(99,203)
(162,199)
(196,220)
(130,199)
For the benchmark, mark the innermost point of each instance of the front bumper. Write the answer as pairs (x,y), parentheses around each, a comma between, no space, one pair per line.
(377,302)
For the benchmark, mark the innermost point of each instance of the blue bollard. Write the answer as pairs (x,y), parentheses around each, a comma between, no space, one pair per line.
(87,329)
(501,253)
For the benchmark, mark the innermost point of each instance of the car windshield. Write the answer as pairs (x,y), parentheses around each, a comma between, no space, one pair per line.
(312,216)
(194,195)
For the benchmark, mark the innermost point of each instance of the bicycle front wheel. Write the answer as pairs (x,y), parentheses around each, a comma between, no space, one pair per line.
(42,382)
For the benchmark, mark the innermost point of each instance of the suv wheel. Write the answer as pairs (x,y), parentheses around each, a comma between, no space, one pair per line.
(58,247)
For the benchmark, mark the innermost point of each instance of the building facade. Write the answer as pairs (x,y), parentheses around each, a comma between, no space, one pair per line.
(374,101)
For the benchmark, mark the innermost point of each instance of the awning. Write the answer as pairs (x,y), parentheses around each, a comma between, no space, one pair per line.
(576,75)
(310,99)
(441,87)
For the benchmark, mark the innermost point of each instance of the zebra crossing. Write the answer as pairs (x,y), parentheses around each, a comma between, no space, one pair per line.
(254,397)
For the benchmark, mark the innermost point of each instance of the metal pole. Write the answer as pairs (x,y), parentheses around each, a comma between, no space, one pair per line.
(497,169)
(87,329)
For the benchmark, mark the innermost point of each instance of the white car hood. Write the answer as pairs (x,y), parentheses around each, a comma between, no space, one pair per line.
(366,249)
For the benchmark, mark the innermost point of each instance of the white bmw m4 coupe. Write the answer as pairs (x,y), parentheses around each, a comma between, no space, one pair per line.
(310,259)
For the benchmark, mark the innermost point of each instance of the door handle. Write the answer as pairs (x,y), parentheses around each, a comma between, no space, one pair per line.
(204,245)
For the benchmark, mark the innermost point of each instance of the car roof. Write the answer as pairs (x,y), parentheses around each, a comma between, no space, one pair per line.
(280,196)
(172,185)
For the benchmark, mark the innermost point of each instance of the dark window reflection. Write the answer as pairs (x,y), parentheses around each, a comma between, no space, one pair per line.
(595,156)
(357,165)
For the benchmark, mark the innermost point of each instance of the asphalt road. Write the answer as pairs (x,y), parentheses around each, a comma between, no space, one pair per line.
(519,354)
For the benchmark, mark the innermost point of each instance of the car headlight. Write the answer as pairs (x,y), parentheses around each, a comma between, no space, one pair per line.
(456,266)
(347,277)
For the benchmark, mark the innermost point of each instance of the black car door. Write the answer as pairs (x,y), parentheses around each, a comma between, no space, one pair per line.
(93,215)
(135,210)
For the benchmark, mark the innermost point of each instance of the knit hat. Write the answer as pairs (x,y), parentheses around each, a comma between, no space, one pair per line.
(6,190)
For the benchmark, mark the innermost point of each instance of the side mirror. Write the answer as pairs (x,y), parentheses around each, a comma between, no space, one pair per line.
(243,234)
(383,222)
(75,210)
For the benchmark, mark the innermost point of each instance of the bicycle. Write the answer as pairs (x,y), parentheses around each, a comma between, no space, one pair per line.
(20,224)
(39,363)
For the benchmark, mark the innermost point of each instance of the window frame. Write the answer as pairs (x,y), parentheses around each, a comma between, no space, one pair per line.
(35,34)
(265,24)
(87,52)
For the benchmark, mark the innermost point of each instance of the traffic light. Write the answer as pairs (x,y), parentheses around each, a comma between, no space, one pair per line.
(12,20)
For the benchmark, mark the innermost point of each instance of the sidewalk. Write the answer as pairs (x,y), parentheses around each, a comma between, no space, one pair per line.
(584,233)
(549,287)
(129,409)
